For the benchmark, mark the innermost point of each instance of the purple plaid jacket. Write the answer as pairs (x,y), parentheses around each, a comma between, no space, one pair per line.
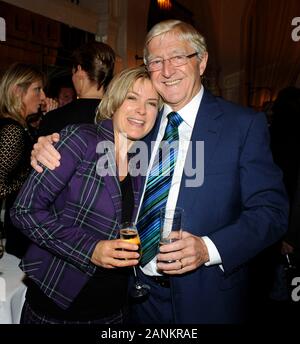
(65,213)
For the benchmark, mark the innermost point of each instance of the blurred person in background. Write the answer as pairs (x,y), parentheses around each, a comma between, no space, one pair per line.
(21,90)
(92,70)
(62,90)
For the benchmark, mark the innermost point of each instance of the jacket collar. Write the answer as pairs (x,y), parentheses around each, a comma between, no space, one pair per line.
(106,130)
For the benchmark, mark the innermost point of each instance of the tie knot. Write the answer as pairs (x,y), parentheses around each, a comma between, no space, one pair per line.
(174,119)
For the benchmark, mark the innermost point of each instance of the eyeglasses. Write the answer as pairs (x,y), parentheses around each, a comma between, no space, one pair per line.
(176,61)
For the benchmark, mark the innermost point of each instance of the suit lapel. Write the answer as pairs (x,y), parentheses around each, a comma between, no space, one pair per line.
(112,186)
(111,181)
(208,125)
(207,128)
(136,186)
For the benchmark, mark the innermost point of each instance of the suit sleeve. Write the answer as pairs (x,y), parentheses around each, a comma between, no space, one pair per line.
(264,209)
(34,213)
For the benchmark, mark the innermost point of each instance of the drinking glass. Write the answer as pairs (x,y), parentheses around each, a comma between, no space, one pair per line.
(170,226)
(129,233)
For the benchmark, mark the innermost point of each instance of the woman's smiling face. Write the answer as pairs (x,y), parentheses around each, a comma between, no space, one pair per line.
(137,114)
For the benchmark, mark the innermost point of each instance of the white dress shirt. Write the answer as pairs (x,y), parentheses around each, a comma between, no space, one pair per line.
(188,114)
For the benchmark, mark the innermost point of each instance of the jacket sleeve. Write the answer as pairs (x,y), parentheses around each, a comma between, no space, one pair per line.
(34,213)
(264,204)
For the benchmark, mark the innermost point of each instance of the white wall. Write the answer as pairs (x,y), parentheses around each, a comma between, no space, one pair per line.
(63,11)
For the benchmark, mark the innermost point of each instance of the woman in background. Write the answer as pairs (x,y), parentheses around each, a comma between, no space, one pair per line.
(92,70)
(22,94)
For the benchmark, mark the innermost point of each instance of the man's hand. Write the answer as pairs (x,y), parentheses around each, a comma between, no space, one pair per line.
(115,253)
(43,152)
(188,253)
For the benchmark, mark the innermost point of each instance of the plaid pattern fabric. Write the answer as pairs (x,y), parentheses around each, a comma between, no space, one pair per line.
(65,213)
(29,316)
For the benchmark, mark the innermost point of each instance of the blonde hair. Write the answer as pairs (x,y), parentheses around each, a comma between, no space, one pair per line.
(118,89)
(18,75)
(185,32)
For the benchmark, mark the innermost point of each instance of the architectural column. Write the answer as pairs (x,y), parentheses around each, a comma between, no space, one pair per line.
(112,29)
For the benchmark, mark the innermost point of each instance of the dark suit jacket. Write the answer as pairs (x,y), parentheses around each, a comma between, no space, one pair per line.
(78,111)
(241,206)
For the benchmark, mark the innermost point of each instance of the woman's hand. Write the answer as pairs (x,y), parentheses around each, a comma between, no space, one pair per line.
(48,104)
(115,254)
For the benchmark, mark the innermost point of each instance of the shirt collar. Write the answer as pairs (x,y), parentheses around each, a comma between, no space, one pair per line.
(189,111)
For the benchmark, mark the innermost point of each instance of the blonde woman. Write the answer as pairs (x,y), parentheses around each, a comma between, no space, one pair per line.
(72,214)
(22,94)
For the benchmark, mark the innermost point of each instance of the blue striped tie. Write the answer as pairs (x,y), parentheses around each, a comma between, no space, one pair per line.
(157,189)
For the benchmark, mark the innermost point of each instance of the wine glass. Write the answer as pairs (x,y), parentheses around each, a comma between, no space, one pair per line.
(129,233)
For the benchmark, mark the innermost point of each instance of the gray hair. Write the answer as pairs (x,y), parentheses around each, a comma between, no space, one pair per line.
(185,31)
